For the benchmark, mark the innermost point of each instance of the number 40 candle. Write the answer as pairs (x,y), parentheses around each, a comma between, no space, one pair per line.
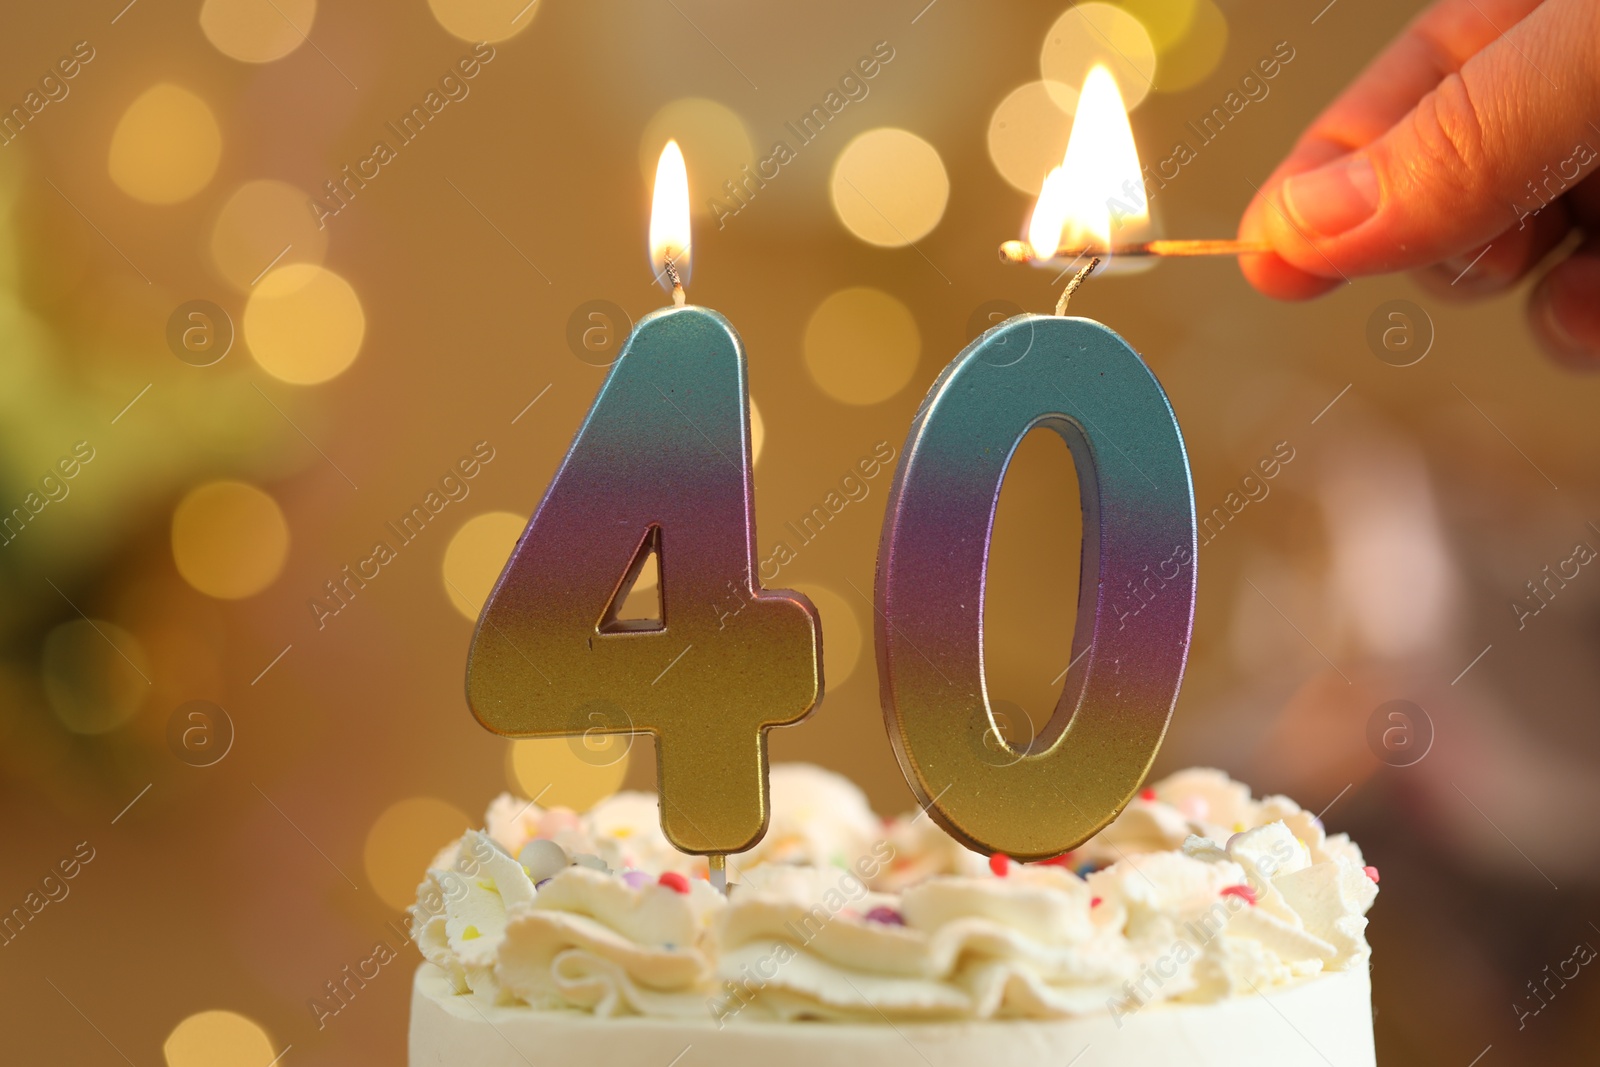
(1136,588)
(1137,581)
(661,465)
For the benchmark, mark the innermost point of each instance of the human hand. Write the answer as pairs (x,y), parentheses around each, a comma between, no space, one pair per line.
(1473,139)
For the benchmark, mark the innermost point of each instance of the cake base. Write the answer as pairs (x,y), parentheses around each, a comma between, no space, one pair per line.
(1322,1021)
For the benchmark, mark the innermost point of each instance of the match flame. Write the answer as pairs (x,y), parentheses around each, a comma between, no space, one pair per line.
(669,217)
(1097,193)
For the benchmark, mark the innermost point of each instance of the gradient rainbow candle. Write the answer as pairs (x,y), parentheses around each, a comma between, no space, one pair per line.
(1137,584)
(661,465)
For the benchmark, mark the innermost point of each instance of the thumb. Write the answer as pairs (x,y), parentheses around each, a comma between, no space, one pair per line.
(1487,147)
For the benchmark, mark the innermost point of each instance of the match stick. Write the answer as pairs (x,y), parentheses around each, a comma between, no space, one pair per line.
(1022,252)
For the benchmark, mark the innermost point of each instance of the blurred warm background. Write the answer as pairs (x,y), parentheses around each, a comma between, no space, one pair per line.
(217,393)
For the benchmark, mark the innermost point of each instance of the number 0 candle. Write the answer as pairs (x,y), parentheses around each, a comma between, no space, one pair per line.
(660,466)
(1137,584)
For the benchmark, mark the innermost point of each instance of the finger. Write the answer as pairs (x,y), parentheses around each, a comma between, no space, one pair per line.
(1583,202)
(1433,46)
(1436,44)
(1564,308)
(1269,272)
(1485,149)
(1515,253)
(1501,263)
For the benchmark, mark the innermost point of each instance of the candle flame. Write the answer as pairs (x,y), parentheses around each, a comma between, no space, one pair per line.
(669,217)
(1098,191)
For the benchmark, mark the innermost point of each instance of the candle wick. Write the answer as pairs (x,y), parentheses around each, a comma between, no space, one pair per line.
(1072,286)
(679,297)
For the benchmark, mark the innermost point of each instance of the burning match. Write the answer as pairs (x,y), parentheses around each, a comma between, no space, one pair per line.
(1023,252)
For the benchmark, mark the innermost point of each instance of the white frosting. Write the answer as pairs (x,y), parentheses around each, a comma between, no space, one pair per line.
(1206,894)
(590,941)
(1310,1023)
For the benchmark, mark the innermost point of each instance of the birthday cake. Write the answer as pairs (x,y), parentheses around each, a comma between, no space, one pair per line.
(1201,927)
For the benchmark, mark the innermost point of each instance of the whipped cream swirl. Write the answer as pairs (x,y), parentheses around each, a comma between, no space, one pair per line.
(1196,892)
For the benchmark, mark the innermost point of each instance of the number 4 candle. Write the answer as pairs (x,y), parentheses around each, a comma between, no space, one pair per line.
(1136,589)
(660,466)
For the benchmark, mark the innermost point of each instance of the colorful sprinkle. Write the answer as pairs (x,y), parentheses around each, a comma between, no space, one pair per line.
(1372,872)
(1094,902)
(1063,860)
(887,916)
(541,883)
(1147,795)
(1243,892)
(1000,864)
(636,879)
(470,934)
(675,882)
(1086,868)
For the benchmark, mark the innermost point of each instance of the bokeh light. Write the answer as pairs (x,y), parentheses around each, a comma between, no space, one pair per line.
(1091,33)
(402,844)
(569,772)
(475,557)
(1166,21)
(841,648)
(264,224)
(484,20)
(229,539)
(861,346)
(889,187)
(218,1039)
(166,146)
(716,149)
(1028,133)
(95,675)
(304,324)
(1190,59)
(257,31)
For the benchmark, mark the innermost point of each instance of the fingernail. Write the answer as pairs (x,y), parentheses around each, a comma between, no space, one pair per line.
(1335,198)
(1557,331)
(1557,336)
